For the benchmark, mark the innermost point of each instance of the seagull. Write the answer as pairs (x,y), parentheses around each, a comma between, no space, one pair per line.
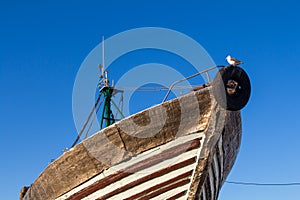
(233,61)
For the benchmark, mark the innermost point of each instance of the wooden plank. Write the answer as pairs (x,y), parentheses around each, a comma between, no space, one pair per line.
(169,153)
(149,177)
(164,189)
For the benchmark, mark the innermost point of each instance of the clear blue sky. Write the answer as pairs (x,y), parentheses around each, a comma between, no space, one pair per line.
(43,44)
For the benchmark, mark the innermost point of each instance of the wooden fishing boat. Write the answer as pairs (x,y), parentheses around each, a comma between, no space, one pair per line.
(188,158)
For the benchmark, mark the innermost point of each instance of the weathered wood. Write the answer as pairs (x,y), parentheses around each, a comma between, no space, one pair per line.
(230,132)
(137,134)
(231,141)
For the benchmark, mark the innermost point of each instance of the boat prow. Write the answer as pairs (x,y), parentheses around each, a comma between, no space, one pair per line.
(181,149)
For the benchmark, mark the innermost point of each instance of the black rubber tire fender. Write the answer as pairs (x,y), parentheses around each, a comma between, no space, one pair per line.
(232,101)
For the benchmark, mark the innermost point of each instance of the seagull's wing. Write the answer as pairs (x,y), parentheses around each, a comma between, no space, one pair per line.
(236,61)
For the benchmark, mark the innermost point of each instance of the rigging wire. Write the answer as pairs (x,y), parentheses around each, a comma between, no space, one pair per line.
(120,106)
(262,184)
(86,122)
(89,128)
(153,89)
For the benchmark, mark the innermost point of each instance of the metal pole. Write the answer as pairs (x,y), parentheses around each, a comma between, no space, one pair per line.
(189,77)
(103,59)
(107,107)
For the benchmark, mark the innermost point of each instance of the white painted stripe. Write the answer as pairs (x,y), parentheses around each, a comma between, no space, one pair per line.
(181,198)
(151,183)
(157,150)
(204,192)
(142,174)
(212,184)
(217,173)
(140,157)
(220,146)
(171,193)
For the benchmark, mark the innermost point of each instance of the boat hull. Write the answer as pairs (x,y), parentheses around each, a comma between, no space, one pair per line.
(181,149)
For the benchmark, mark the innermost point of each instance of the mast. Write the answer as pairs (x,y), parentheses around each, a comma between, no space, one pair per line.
(106,92)
(107,117)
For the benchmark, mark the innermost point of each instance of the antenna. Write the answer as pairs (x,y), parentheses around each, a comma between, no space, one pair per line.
(104,72)
(103,60)
(102,66)
(101,71)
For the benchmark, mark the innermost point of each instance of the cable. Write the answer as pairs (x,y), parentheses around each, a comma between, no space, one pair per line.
(86,122)
(154,89)
(91,123)
(263,184)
